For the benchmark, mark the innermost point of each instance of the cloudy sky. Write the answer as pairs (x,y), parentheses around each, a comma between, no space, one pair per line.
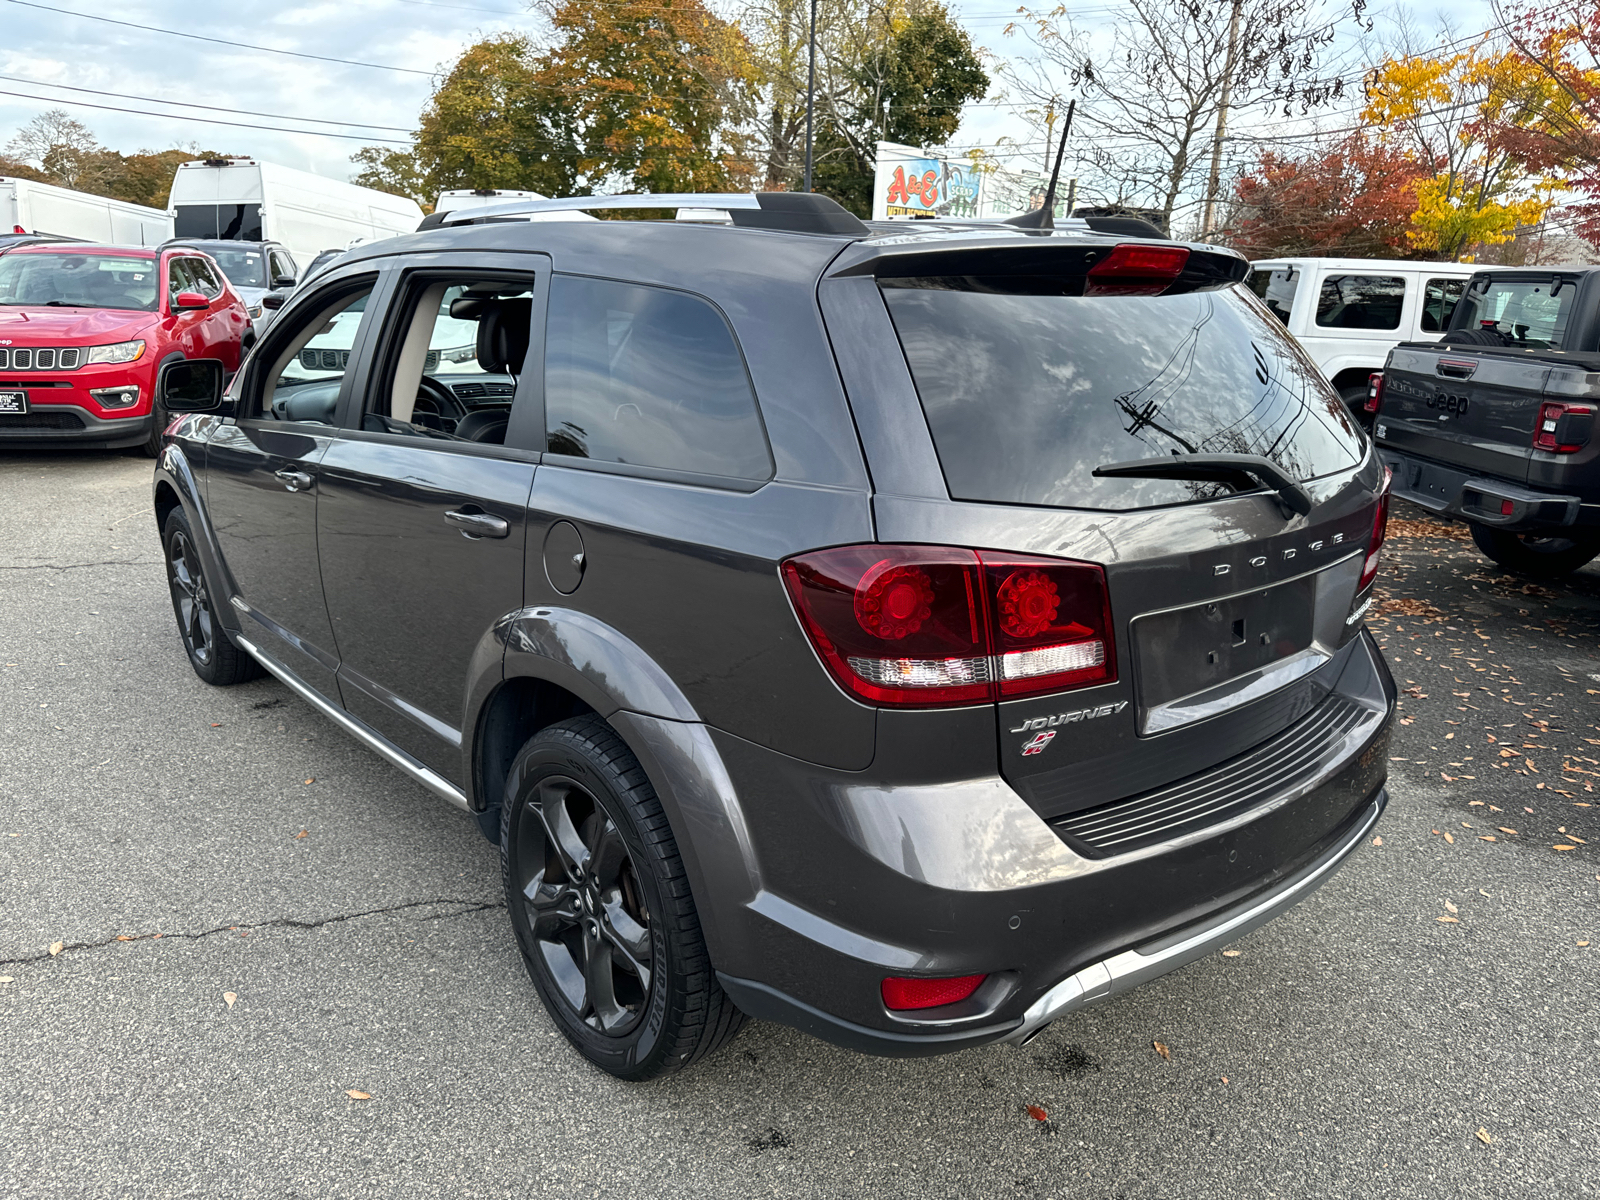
(309,112)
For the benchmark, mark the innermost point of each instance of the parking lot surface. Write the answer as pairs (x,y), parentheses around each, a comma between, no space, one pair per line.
(282,969)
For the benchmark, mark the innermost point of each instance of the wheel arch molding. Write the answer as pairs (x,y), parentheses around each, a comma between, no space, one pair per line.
(176,486)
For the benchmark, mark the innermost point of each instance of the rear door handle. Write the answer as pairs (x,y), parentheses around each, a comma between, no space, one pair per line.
(479,524)
(295,481)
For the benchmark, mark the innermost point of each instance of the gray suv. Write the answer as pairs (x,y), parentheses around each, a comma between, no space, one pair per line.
(906,633)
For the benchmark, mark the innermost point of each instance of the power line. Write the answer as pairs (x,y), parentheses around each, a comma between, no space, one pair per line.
(351,137)
(348,62)
(240,112)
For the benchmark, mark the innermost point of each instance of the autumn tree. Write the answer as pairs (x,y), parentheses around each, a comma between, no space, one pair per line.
(1354,197)
(63,149)
(1441,109)
(394,171)
(1558,43)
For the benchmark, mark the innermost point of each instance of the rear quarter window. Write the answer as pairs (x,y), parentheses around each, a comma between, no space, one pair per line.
(1530,313)
(1361,301)
(1027,393)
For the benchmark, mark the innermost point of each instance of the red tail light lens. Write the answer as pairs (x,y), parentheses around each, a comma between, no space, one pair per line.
(929,626)
(900,994)
(1135,270)
(1563,428)
(1380,524)
(1374,391)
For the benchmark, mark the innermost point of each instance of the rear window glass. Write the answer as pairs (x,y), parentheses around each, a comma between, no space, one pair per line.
(1361,301)
(648,377)
(1439,300)
(1522,311)
(227,222)
(1027,393)
(1276,288)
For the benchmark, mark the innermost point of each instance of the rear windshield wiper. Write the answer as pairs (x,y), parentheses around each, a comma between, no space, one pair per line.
(1245,472)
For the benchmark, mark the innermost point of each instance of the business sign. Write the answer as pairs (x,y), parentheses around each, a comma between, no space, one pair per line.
(911,183)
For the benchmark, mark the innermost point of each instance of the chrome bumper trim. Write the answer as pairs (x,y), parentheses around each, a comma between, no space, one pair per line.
(367,736)
(1127,970)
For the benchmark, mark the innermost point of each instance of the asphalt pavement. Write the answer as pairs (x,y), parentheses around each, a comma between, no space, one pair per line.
(284,970)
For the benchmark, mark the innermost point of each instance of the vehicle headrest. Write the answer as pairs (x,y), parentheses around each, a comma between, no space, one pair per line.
(502,332)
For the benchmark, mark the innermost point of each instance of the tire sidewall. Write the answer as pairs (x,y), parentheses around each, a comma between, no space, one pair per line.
(178,521)
(1510,552)
(634,1054)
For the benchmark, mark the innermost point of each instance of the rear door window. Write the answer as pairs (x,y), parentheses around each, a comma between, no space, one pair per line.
(1361,301)
(1439,300)
(1531,313)
(649,377)
(1275,287)
(1027,393)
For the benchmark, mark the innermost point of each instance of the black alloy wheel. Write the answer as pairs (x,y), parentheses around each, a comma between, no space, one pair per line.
(601,907)
(214,657)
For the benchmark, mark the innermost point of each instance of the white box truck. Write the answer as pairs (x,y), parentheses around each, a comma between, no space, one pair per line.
(240,199)
(1349,313)
(29,207)
(480,198)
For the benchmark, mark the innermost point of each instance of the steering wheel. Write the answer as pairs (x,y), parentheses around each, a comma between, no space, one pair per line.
(443,399)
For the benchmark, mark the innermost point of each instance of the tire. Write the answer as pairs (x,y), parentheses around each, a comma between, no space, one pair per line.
(600,906)
(212,655)
(159,416)
(1530,554)
(1355,399)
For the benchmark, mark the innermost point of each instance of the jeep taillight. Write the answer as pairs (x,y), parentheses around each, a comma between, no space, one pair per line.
(1380,523)
(1374,391)
(930,626)
(1563,428)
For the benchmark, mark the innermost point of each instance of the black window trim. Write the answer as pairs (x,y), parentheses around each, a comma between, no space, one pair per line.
(368,273)
(525,431)
(726,483)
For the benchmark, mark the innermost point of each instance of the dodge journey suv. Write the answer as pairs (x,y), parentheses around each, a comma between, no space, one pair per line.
(908,634)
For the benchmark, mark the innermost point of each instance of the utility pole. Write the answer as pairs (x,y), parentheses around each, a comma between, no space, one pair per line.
(811,91)
(1215,182)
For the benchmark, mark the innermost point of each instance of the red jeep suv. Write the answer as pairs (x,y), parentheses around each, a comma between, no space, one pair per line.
(84,330)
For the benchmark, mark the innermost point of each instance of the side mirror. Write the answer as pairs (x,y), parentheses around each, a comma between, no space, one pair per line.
(274,300)
(191,385)
(283,281)
(186,300)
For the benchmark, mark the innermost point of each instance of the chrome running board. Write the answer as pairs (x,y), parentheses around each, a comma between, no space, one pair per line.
(363,733)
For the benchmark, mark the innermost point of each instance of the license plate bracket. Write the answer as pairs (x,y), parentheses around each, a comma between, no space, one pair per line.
(13,401)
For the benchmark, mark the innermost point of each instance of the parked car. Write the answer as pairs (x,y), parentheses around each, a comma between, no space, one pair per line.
(44,208)
(1349,312)
(905,635)
(10,241)
(1494,425)
(84,330)
(255,269)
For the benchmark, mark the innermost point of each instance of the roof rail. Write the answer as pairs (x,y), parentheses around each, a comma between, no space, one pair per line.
(795,212)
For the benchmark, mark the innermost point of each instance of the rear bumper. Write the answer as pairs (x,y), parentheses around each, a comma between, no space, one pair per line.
(859,881)
(1483,499)
(63,426)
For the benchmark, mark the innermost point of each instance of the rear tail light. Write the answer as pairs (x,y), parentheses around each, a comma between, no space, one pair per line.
(1380,523)
(928,626)
(1374,391)
(1563,428)
(1134,270)
(901,993)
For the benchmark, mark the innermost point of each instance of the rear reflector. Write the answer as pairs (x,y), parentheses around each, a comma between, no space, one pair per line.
(901,993)
(1374,391)
(929,626)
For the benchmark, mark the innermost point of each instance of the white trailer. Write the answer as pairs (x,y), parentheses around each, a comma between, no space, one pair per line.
(480,198)
(240,199)
(29,207)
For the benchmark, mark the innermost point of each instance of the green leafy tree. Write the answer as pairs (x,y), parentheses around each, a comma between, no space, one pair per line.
(397,172)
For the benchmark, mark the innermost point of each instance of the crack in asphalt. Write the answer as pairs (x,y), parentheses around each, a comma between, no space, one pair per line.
(115,562)
(463,908)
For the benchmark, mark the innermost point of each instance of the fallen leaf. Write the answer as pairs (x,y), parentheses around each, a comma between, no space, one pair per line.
(1503,829)
(1161,1049)
(300,835)
(1224,1079)
(123,937)
(1483,1137)
(1449,839)
(229,998)
(8,979)
(1481,892)
(1563,847)
(1377,841)
(1448,920)
(1580,943)
(1232,953)
(216,724)
(1450,908)
(1509,754)
(355,1095)
(313,779)
(1033,1110)
(57,947)
(1487,837)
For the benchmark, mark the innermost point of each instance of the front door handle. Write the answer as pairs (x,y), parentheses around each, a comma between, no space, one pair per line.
(295,481)
(479,524)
